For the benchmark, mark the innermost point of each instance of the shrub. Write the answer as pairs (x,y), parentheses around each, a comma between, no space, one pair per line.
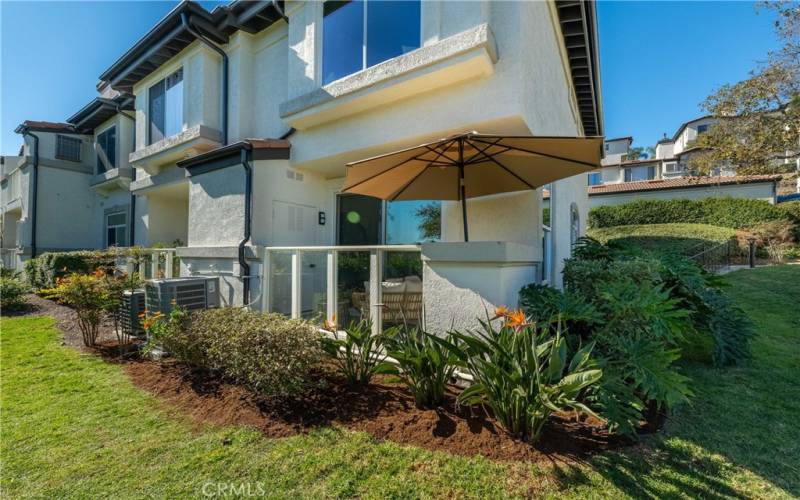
(268,353)
(729,212)
(685,239)
(359,353)
(43,271)
(648,304)
(87,295)
(791,210)
(12,293)
(426,366)
(523,374)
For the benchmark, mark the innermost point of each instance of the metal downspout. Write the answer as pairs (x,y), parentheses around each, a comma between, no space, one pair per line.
(132,228)
(244,267)
(187,24)
(35,193)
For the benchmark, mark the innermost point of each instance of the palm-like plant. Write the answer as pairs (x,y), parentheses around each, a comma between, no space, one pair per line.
(522,374)
(359,354)
(426,366)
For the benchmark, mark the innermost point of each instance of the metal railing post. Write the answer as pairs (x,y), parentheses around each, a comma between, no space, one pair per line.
(154,265)
(297,283)
(332,285)
(168,264)
(375,291)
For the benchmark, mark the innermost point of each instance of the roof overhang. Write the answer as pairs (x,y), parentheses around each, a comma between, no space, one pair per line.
(170,36)
(51,127)
(226,156)
(99,110)
(579,32)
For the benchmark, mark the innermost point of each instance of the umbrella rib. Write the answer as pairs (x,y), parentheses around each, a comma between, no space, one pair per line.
(493,160)
(384,171)
(440,153)
(469,161)
(555,157)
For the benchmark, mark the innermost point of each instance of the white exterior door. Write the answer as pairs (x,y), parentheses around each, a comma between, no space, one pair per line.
(293,224)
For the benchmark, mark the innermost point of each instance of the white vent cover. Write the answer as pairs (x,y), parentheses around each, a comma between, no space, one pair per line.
(296,176)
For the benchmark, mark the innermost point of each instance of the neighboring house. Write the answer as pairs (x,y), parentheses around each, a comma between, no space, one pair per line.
(756,187)
(81,182)
(671,159)
(246,116)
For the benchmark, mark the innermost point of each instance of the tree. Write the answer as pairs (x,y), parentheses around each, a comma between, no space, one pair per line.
(758,119)
(635,153)
(430,220)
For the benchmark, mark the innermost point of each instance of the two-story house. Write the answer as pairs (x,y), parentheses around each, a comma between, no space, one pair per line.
(245,117)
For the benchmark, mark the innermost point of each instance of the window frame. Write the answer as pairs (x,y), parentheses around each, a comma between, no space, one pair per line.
(124,227)
(598,176)
(59,153)
(113,160)
(163,83)
(320,55)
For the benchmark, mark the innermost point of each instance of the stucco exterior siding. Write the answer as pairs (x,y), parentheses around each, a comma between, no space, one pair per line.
(65,213)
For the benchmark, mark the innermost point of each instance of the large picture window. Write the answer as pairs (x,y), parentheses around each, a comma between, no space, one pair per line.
(107,142)
(165,107)
(362,33)
(116,229)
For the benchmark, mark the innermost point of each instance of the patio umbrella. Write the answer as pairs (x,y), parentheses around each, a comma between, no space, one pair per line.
(471,165)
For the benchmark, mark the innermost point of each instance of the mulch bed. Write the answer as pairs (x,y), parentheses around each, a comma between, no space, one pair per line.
(383,409)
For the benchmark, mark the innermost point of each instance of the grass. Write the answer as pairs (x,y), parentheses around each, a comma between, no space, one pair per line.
(73,425)
(680,238)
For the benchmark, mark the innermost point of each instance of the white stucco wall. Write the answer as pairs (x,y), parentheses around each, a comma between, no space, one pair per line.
(65,210)
(216,208)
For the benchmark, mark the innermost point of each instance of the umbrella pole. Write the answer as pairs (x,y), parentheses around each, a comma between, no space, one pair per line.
(462,189)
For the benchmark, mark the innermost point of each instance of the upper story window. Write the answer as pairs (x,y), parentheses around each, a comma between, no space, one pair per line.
(107,143)
(640,174)
(362,33)
(702,129)
(595,179)
(672,167)
(68,148)
(165,107)
(608,146)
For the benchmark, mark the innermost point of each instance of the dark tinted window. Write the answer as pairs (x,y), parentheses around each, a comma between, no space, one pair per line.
(342,40)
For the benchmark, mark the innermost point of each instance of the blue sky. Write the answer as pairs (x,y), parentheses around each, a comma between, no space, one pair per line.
(659,59)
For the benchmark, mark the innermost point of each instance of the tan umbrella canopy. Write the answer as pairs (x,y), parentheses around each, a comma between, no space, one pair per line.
(472,165)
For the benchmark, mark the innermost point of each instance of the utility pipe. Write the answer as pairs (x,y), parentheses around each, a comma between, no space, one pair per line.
(188,25)
(35,187)
(244,267)
(132,228)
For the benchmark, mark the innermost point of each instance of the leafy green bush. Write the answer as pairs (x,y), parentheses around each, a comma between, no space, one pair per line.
(640,309)
(268,353)
(44,270)
(728,212)
(12,294)
(426,366)
(359,353)
(685,239)
(523,374)
(88,296)
(792,211)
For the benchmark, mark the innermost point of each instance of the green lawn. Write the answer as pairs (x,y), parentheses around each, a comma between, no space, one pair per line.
(681,238)
(73,425)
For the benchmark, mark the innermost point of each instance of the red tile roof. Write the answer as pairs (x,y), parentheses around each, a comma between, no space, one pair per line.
(679,183)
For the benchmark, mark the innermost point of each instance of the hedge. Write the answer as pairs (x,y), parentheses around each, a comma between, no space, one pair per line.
(42,271)
(735,213)
(685,239)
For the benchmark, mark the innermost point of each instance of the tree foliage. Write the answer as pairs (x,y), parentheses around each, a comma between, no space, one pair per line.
(758,126)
